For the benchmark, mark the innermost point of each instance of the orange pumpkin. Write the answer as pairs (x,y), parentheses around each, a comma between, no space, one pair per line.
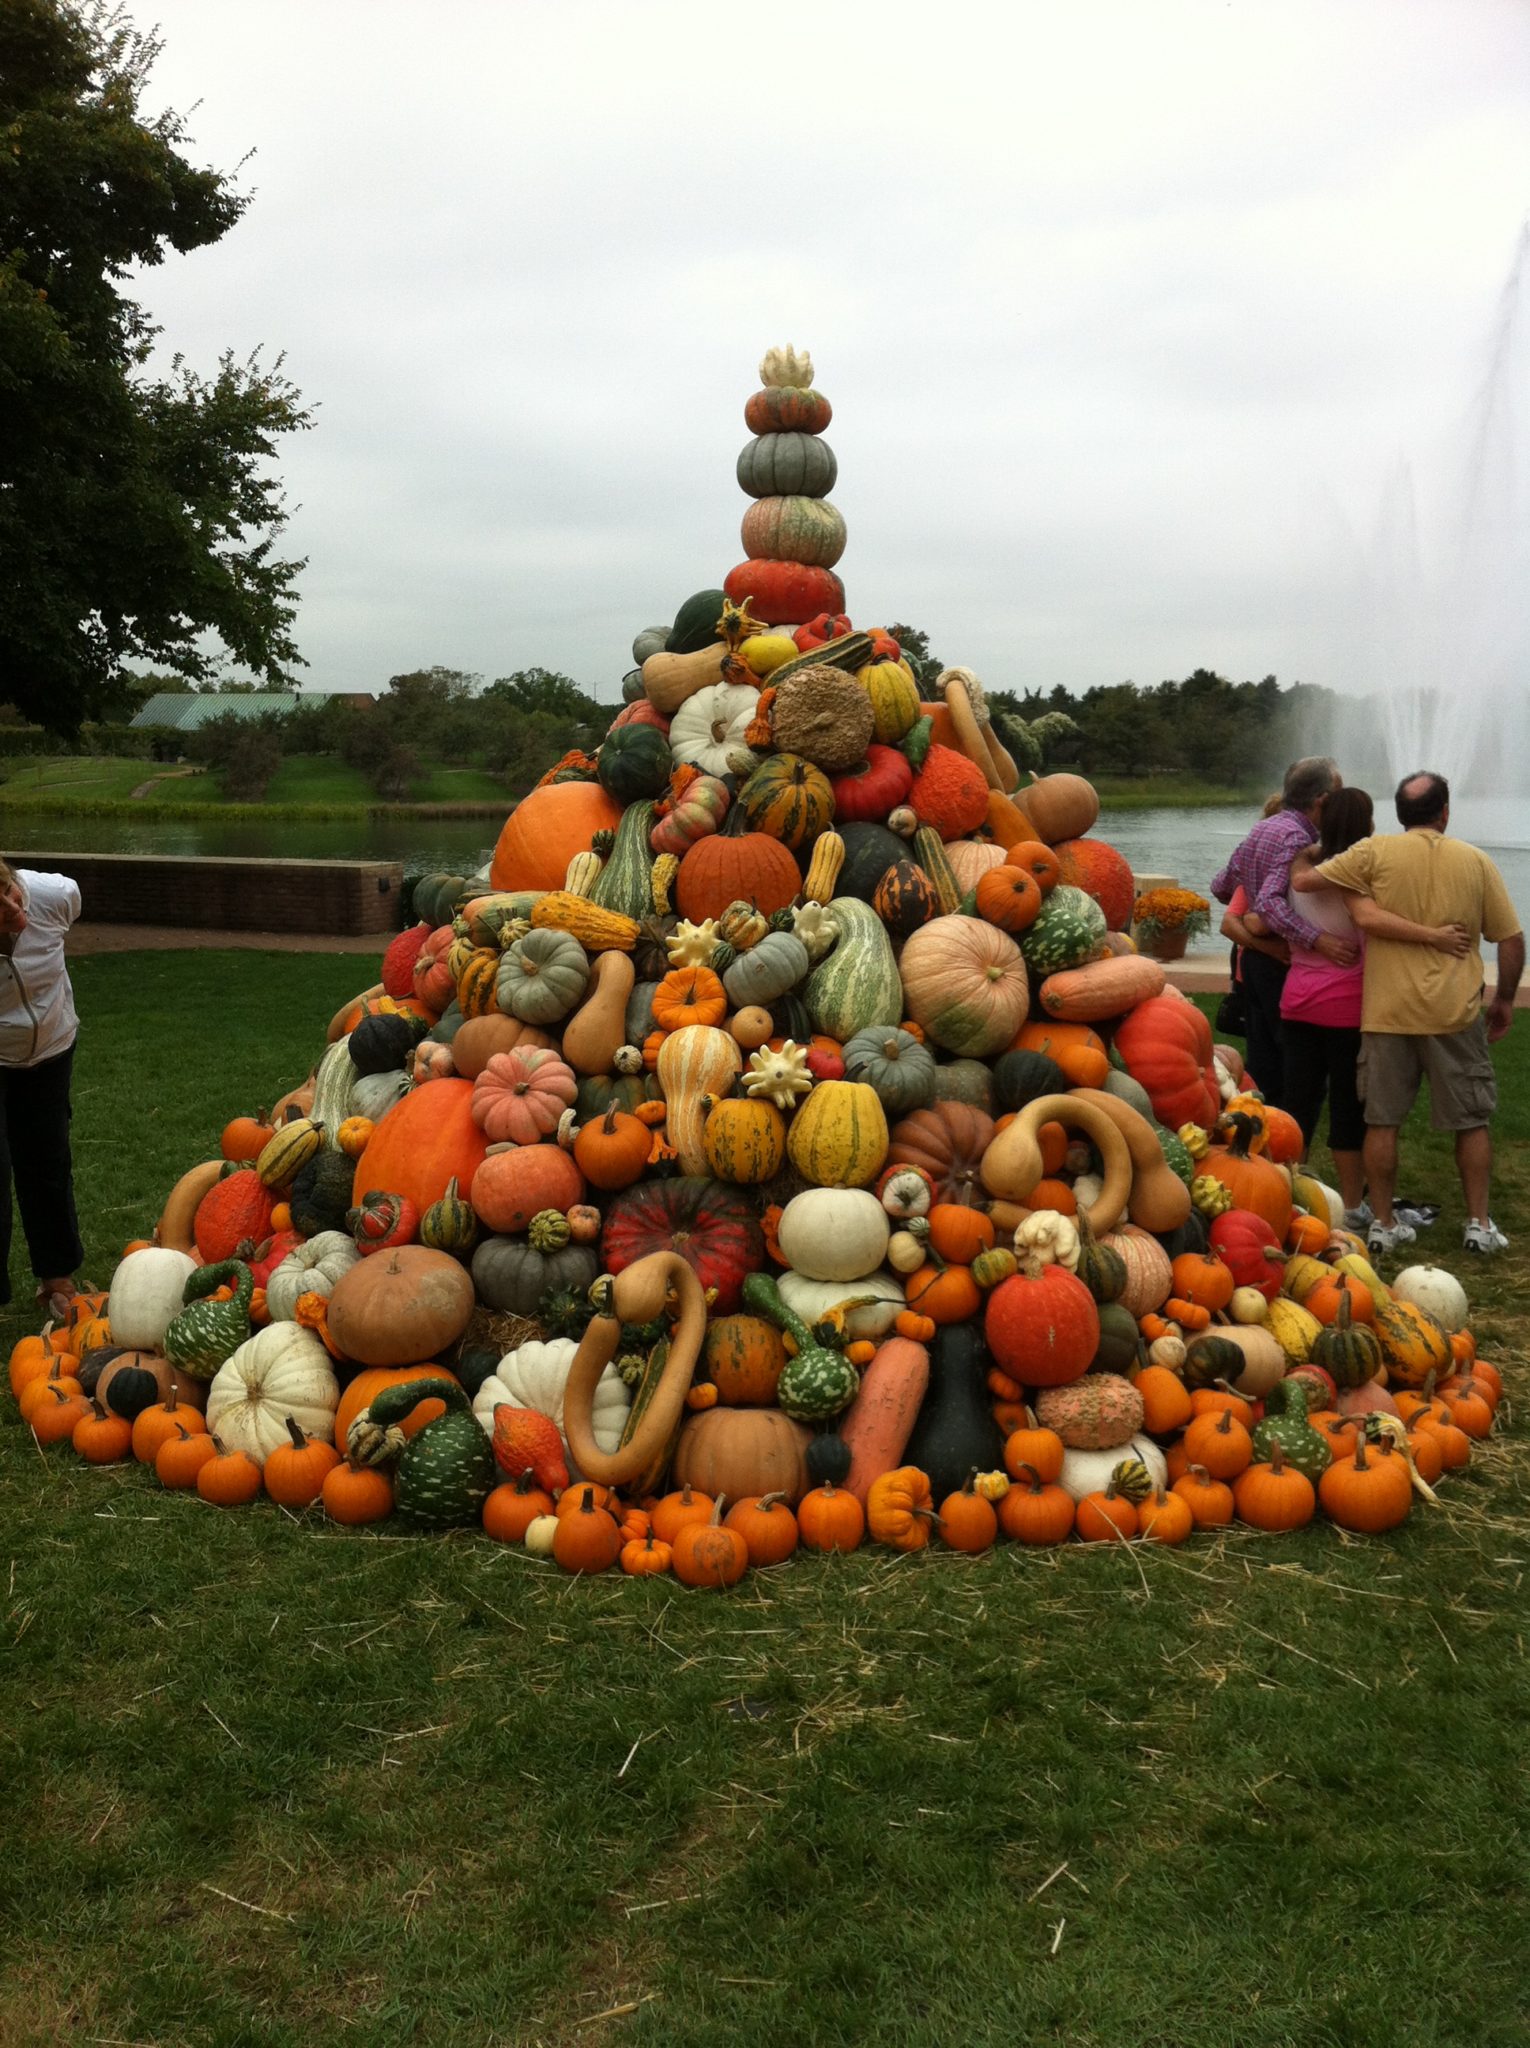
(427,1139)
(546,829)
(366,1386)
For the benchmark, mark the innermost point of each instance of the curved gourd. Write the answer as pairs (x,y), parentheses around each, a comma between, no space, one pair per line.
(1159,1199)
(174,1229)
(1012,1163)
(645,1290)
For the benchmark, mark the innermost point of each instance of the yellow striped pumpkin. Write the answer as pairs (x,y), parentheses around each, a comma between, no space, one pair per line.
(839,1136)
(744,1139)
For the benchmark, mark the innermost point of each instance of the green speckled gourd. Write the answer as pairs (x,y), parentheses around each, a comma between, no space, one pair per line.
(205,1333)
(1176,1153)
(857,985)
(818,1383)
(1285,1423)
(1069,928)
(625,883)
(446,1471)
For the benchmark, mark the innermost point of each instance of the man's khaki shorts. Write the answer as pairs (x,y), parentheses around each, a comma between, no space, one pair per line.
(1463,1089)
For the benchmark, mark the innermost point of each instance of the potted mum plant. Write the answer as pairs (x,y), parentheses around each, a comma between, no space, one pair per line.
(1165,920)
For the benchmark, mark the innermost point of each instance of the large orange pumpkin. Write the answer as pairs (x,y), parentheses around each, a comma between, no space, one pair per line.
(425,1140)
(1101,872)
(546,829)
(511,1187)
(716,871)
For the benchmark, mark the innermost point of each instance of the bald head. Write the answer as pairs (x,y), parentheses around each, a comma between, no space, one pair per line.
(1422,799)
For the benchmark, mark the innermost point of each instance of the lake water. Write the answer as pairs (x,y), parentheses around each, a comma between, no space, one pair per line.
(1190,845)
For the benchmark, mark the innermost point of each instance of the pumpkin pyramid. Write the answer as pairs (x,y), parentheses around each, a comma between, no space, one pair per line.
(792,1116)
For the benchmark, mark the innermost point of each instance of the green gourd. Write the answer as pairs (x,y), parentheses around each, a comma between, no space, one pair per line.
(625,883)
(1119,1339)
(1285,1423)
(895,1064)
(446,1471)
(857,985)
(1349,1352)
(206,1333)
(818,1383)
(1069,928)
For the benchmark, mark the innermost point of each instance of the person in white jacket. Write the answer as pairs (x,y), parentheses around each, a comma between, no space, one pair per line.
(37,1033)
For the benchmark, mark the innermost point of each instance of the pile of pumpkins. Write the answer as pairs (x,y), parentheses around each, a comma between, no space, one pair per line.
(783,1143)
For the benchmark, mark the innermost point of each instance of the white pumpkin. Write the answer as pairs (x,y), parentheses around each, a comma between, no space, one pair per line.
(834,1233)
(310,1268)
(1427,1287)
(535,1375)
(1086,1472)
(711,725)
(146,1296)
(282,1370)
(373,1095)
(879,1297)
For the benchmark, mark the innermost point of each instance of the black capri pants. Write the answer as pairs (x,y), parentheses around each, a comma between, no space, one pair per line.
(1320,1059)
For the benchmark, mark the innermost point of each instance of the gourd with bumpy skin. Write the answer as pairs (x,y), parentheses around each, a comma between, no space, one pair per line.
(205,1332)
(446,1471)
(818,1383)
(535,1376)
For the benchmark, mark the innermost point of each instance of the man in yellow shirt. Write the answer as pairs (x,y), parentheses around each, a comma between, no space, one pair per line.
(1422,1011)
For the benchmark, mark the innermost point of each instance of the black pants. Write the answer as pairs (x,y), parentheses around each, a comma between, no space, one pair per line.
(34,1151)
(1321,1060)
(1263,980)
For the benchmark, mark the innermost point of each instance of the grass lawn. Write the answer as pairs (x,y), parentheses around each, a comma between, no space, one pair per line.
(94,785)
(1170,792)
(276,1784)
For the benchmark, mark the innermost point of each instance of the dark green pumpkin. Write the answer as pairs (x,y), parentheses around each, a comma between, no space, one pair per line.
(828,1458)
(1119,1339)
(382,1043)
(1190,1236)
(321,1192)
(904,899)
(600,1092)
(954,1432)
(870,850)
(1210,1359)
(787,798)
(1022,1077)
(1349,1352)
(634,761)
(696,622)
(475,1364)
(1100,1266)
(509,1273)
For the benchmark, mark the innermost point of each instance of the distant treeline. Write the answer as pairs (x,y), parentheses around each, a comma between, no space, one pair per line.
(1205,727)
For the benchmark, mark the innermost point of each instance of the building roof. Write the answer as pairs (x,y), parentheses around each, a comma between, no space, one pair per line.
(186,710)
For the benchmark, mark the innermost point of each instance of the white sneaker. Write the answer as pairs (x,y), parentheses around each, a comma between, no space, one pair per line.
(1381,1238)
(1485,1238)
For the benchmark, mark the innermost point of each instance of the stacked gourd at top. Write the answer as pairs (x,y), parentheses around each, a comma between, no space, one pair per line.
(792,535)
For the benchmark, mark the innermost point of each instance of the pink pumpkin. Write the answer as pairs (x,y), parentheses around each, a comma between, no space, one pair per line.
(519,1096)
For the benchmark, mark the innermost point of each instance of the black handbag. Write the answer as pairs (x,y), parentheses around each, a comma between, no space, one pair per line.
(1232,1012)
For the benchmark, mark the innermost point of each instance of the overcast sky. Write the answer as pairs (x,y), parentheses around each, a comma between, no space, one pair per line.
(1128,312)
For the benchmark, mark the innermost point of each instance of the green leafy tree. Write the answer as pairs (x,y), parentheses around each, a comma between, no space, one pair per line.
(544,690)
(915,647)
(138,512)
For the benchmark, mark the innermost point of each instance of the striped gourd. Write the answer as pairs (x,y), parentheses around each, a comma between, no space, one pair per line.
(475,984)
(857,984)
(450,1224)
(787,798)
(930,853)
(894,698)
(289,1151)
(458,954)
(584,871)
(839,1136)
(823,870)
(333,1081)
(626,882)
(597,930)
(851,651)
(648,1382)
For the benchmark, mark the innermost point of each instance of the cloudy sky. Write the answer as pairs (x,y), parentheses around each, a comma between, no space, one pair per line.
(1130,314)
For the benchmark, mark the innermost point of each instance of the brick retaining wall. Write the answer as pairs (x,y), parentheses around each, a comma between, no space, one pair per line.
(337,896)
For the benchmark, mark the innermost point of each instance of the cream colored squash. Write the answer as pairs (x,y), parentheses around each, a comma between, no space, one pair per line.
(710,726)
(535,1376)
(878,1298)
(280,1371)
(146,1295)
(834,1233)
(309,1268)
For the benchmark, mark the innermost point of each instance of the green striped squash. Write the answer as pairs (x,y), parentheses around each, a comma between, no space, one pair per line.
(857,984)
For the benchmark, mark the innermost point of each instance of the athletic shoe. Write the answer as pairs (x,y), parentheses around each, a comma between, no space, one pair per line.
(1359,1220)
(1381,1239)
(1485,1238)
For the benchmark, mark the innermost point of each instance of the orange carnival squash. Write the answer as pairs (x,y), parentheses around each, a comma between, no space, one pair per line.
(546,829)
(425,1140)
(717,871)
(1101,872)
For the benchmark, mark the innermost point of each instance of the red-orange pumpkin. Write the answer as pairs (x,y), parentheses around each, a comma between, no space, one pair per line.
(427,1139)
(509,1188)
(717,871)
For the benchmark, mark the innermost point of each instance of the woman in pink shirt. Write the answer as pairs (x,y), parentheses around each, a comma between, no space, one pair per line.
(1320,1002)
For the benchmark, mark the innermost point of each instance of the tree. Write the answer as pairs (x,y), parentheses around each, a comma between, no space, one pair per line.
(544,690)
(138,512)
(915,647)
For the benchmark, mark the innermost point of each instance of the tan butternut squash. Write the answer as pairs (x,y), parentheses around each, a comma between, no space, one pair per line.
(695,1063)
(597,1030)
(174,1229)
(661,1284)
(1102,988)
(1159,1199)
(1012,1164)
(669,679)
